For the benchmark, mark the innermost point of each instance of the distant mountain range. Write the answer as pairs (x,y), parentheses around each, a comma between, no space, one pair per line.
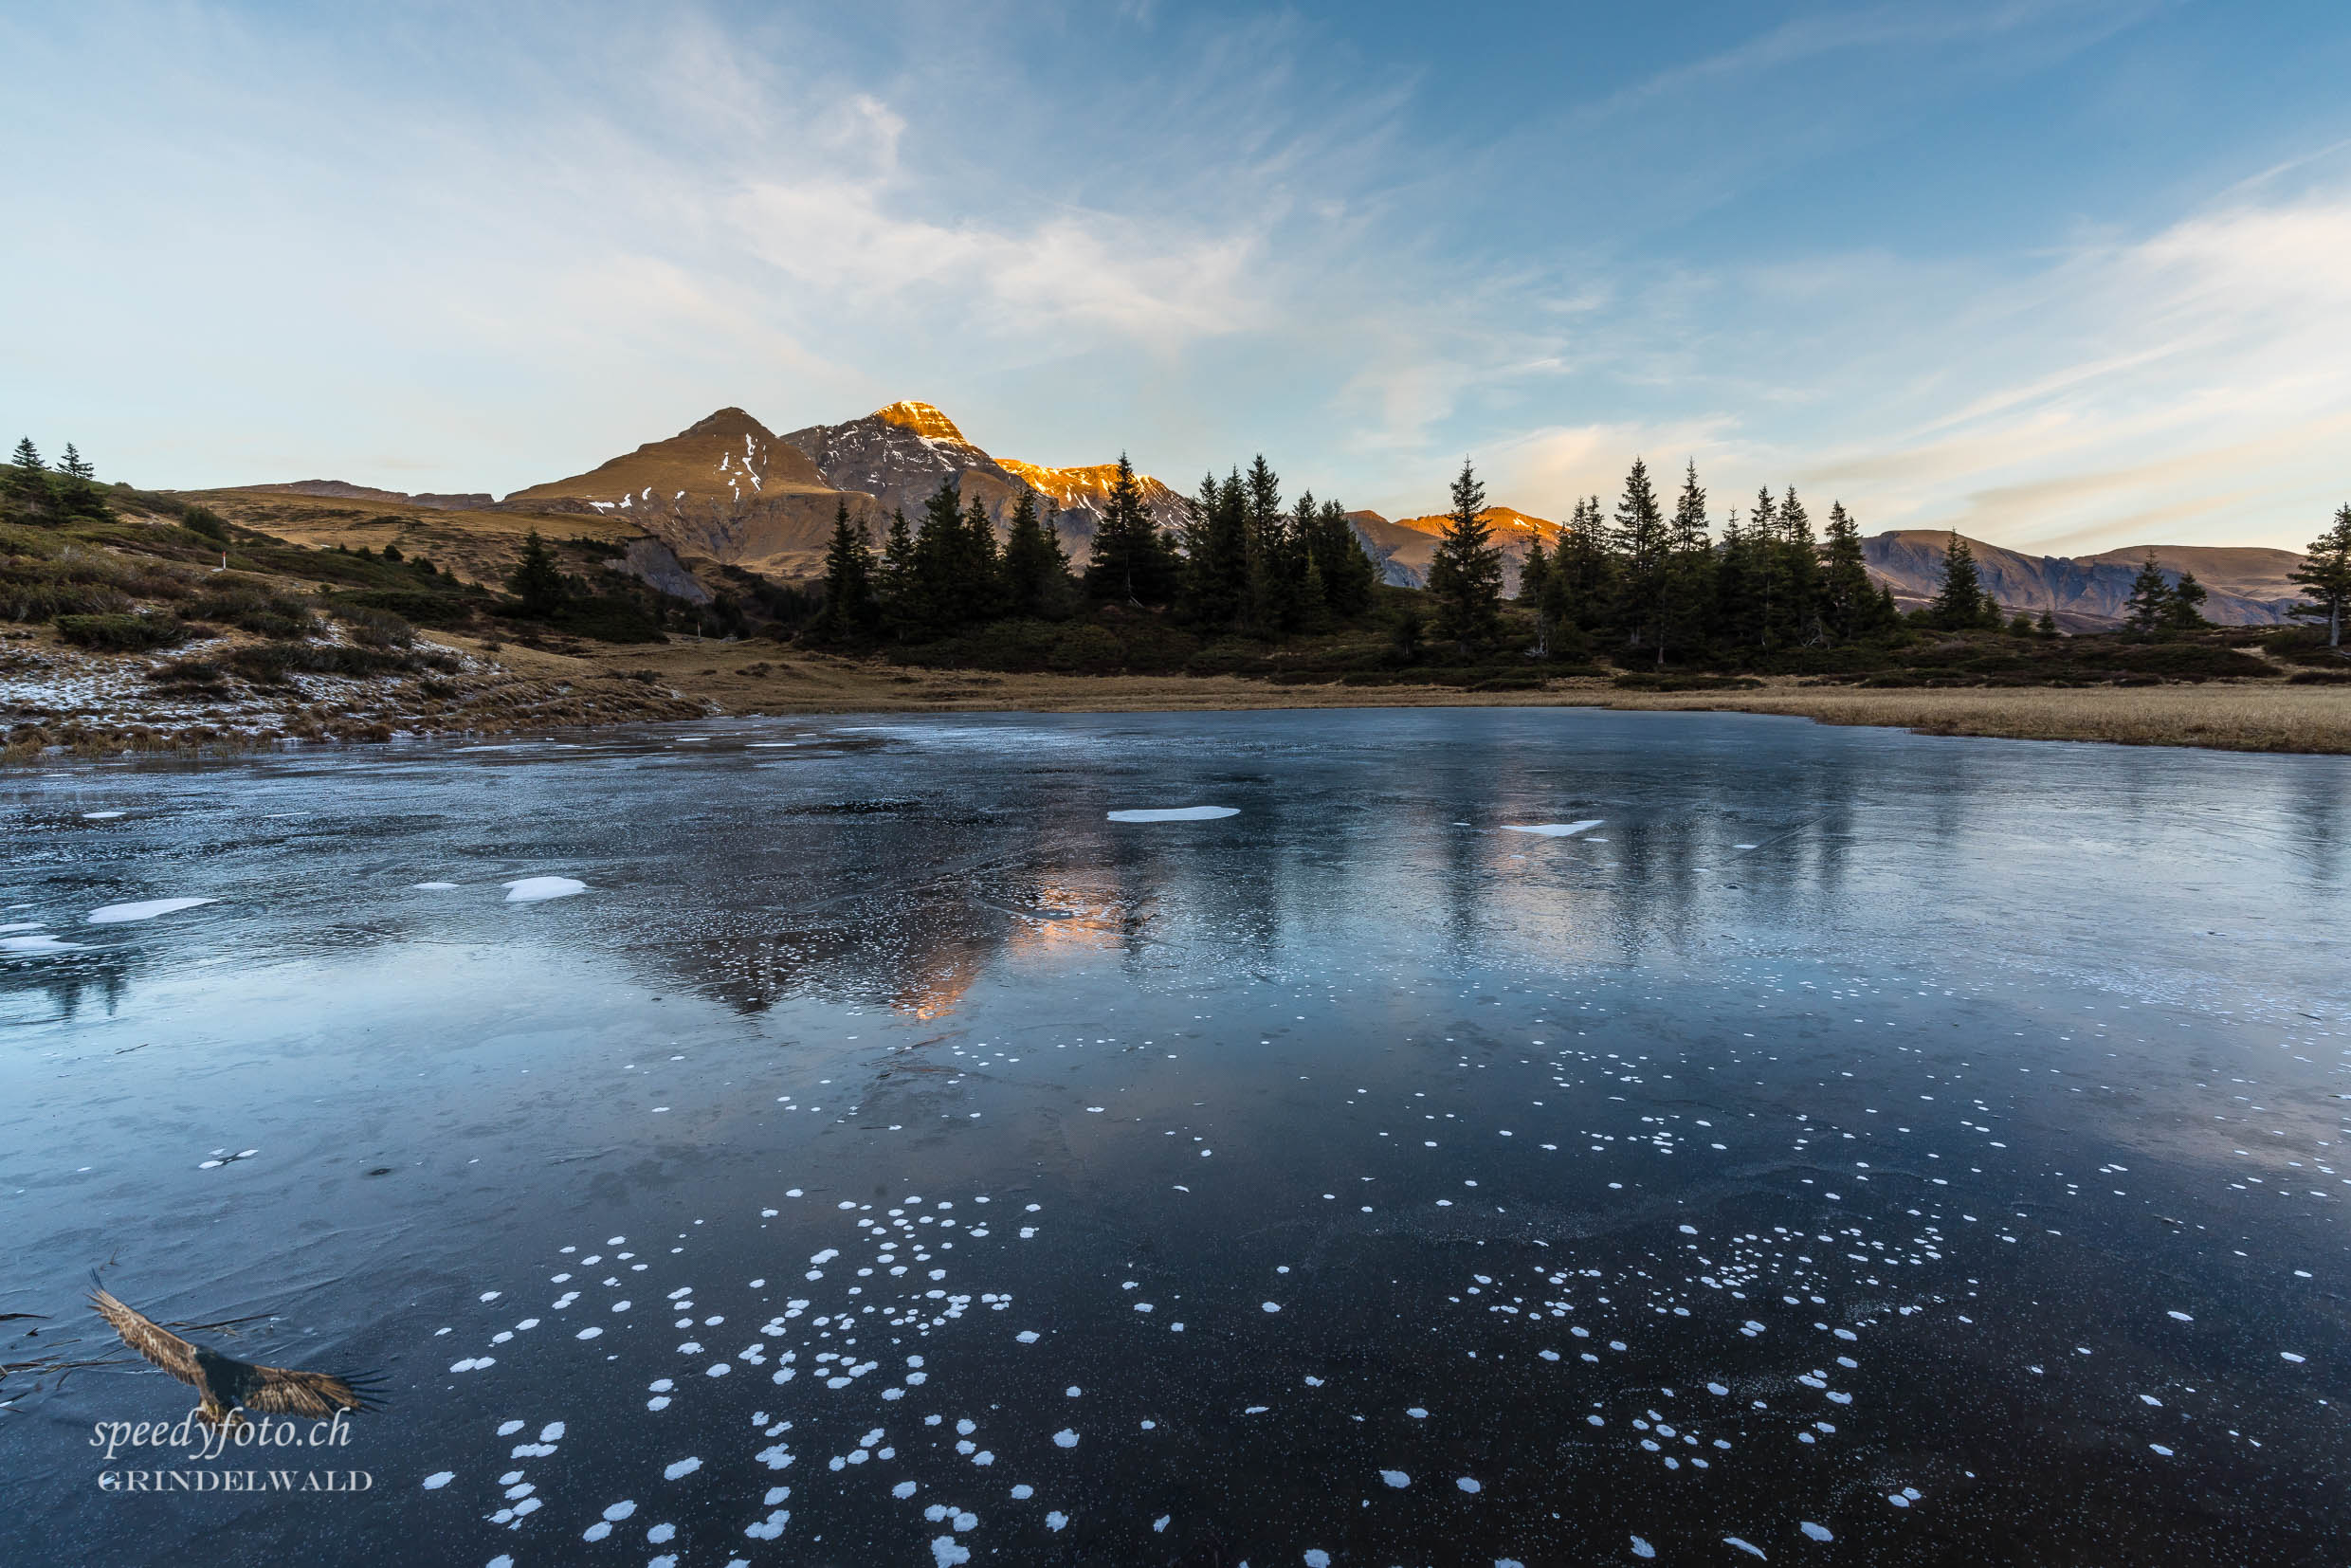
(729,489)
(2249,586)
(337,489)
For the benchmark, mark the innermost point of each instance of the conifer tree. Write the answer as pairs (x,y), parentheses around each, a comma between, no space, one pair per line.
(1036,571)
(1764,551)
(1640,542)
(1532,570)
(2149,596)
(1582,579)
(1132,563)
(1687,612)
(934,599)
(1349,578)
(894,590)
(1849,602)
(2047,625)
(2184,609)
(1796,604)
(850,610)
(1734,585)
(73,464)
(1534,573)
(28,479)
(1217,568)
(1272,593)
(1465,574)
(1960,602)
(2326,579)
(536,580)
(979,580)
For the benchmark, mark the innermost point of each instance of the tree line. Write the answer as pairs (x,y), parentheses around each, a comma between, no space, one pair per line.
(1243,560)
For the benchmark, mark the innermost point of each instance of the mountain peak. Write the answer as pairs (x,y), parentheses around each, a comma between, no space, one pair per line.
(729,423)
(922,418)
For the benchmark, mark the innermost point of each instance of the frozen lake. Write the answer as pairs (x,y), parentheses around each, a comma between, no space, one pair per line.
(842,1142)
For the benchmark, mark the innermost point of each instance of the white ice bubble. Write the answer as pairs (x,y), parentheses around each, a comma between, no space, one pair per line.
(1818,1532)
(1065,1438)
(1395,1478)
(439,1479)
(1642,1548)
(683,1467)
(1747,1546)
(1468,1484)
(1553,830)
(1177,813)
(38,944)
(539,889)
(115,914)
(434,887)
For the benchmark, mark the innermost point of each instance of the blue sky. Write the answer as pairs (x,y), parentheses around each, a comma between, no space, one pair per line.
(2067,274)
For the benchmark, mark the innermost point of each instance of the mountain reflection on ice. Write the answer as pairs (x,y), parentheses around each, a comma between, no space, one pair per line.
(1845,1147)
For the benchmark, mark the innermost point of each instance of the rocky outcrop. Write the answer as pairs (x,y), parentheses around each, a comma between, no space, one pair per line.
(656,565)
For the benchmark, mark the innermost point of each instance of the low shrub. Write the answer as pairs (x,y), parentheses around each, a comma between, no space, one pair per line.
(122,633)
(374,627)
(269,664)
(252,607)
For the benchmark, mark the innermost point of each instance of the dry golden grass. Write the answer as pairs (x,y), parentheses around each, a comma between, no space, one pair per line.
(479,546)
(2232,716)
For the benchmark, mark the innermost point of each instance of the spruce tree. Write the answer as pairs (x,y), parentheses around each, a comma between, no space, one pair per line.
(2326,579)
(1687,616)
(1849,602)
(1796,604)
(1534,573)
(1734,585)
(1272,556)
(536,580)
(1764,551)
(850,610)
(1532,570)
(979,580)
(1216,574)
(934,594)
(1583,573)
(1465,574)
(2149,596)
(72,464)
(1349,578)
(28,479)
(1132,563)
(2184,609)
(1960,603)
(1640,542)
(2047,625)
(1036,571)
(894,592)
